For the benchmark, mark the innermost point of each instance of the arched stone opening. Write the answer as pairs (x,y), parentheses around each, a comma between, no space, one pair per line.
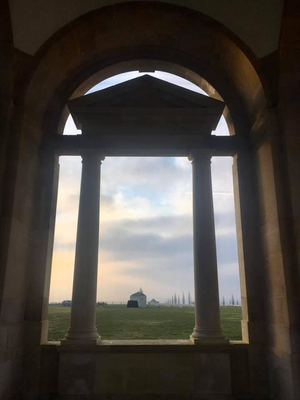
(58,78)
(181,38)
(146,65)
(64,65)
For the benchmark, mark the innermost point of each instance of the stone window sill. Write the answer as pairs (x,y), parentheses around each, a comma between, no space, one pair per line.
(144,346)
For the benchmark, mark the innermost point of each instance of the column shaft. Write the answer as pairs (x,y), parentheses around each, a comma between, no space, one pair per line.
(83,313)
(207,308)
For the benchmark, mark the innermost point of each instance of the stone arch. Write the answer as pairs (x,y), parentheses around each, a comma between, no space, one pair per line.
(146,65)
(105,42)
(103,38)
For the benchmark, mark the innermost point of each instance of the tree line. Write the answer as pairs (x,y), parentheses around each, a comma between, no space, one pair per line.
(182,300)
(230,302)
(178,300)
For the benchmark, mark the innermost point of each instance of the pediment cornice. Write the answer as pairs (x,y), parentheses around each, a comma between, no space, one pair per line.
(146,108)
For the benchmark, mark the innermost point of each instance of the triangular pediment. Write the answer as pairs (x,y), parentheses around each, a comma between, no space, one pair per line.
(146,106)
(145,92)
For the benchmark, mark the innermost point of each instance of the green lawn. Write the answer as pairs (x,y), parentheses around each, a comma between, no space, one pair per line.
(120,322)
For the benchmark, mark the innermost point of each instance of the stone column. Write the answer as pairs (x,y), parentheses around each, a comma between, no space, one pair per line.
(83,314)
(207,308)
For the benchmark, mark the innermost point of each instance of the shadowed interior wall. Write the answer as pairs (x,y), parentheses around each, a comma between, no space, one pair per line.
(14,214)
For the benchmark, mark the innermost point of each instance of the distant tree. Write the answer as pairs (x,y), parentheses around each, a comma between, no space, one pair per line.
(237,302)
(189,299)
(183,299)
(232,300)
(223,301)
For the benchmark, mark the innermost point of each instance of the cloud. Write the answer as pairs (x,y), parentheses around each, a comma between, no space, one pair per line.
(123,245)
(164,226)
(62,246)
(107,200)
(142,175)
(226,249)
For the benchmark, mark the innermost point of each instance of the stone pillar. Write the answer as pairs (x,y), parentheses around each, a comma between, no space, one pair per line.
(83,313)
(39,270)
(41,248)
(250,253)
(207,308)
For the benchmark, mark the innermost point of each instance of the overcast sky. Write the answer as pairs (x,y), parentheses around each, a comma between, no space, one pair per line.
(145,222)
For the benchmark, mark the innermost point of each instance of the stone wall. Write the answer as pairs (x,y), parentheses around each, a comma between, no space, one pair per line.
(145,368)
(16,179)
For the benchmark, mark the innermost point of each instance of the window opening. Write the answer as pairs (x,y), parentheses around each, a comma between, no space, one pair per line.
(145,232)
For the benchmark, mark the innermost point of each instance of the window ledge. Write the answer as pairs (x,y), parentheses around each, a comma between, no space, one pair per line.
(145,346)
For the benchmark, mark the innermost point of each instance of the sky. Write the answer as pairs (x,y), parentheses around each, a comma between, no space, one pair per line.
(146,238)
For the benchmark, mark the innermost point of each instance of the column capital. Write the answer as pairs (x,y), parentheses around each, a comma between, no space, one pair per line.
(201,155)
(92,154)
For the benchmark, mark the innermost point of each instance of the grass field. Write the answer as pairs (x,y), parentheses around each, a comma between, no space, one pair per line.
(120,322)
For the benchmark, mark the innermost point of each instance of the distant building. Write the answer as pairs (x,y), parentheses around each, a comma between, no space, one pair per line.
(153,302)
(140,297)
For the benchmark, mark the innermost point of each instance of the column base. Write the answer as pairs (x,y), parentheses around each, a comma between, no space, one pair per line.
(208,336)
(80,342)
(81,337)
(205,341)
